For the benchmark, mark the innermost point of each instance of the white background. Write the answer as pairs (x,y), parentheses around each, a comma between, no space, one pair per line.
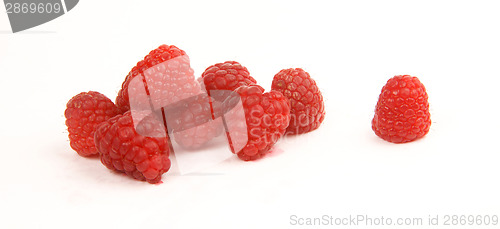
(351,48)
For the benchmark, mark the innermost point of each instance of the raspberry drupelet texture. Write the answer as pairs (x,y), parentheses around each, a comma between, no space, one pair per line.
(191,121)
(267,117)
(307,109)
(123,149)
(83,113)
(164,76)
(226,76)
(402,111)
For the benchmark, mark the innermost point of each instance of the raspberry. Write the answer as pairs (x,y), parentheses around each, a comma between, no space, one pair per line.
(402,111)
(191,121)
(267,117)
(83,113)
(165,77)
(226,76)
(196,137)
(123,149)
(307,109)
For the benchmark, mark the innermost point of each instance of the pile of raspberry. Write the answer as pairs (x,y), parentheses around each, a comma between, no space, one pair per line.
(161,101)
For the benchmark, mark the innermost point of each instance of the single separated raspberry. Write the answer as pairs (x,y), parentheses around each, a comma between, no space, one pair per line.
(123,149)
(226,76)
(83,113)
(402,111)
(267,117)
(307,109)
(165,76)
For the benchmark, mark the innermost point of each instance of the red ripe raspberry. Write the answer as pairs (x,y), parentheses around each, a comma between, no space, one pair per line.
(267,117)
(307,109)
(198,136)
(191,121)
(402,111)
(165,77)
(123,149)
(227,76)
(83,113)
